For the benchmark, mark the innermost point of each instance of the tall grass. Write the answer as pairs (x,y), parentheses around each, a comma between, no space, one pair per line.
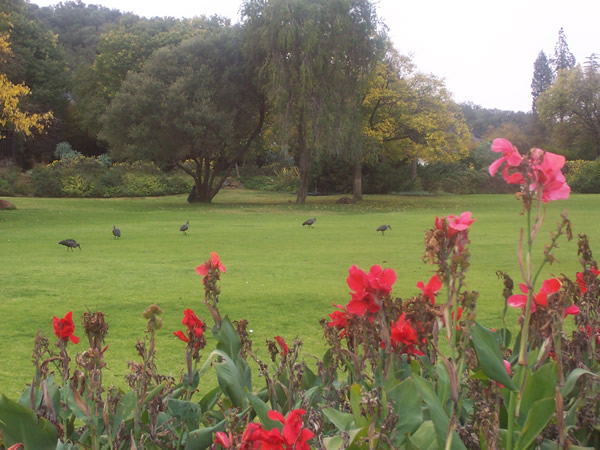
(281,277)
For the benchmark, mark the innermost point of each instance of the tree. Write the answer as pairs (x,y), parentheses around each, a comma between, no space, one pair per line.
(563,58)
(412,115)
(319,55)
(11,114)
(194,105)
(542,78)
(570,106)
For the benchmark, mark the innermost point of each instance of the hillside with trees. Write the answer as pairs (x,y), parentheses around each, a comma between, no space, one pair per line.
(305,95)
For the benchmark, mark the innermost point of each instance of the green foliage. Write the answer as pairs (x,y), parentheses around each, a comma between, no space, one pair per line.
(65,151)
(584,176)
(76,186)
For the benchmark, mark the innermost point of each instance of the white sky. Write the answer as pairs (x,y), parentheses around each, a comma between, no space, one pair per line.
(484,50)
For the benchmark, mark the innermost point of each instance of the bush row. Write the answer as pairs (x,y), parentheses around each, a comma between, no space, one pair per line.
(92,177)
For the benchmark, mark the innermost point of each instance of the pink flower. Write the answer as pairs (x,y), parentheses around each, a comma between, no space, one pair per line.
(455,224)
(508,368)
(284,347)
(572,310)
(547,174)
(510,156)
(223,440)
(432,288)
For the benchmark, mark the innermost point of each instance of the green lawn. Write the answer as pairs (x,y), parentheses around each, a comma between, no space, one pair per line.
(281,277)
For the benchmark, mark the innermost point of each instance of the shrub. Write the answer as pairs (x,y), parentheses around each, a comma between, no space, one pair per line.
(76,186)
(65,151)
(143,185)
(584,176)
(45,182)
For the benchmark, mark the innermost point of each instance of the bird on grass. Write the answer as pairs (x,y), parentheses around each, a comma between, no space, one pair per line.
(382,228)
(183,228)
(309,222)
(70,244)
(116,232)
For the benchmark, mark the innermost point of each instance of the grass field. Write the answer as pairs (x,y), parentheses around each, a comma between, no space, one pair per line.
(281,276)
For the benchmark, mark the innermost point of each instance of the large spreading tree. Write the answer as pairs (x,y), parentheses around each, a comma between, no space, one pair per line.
(571,107)
(195,105)
(412,116)
(319,57)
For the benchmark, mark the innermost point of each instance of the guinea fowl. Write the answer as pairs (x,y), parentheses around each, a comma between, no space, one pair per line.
(183,228)
(309,222)
(116,232)
(70,244)
(382,228)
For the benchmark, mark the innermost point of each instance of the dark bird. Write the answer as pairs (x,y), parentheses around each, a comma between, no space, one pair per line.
(116,232)
(309,222)
(382,228)
(184,227)
(70,244)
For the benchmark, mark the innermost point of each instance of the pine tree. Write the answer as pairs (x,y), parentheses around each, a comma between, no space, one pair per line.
(542,78)
(563,58)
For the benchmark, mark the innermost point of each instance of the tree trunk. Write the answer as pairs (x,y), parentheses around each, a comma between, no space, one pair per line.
(413,169)
(357,181)
(304,157)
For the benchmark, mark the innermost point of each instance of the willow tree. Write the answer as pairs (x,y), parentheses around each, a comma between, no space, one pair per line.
(411,115)
(319,56)
(194,106)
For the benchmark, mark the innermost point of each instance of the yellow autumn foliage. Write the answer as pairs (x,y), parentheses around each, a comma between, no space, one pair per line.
(11,115)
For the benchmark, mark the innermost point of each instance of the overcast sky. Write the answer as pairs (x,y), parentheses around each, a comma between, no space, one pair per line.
(484,50)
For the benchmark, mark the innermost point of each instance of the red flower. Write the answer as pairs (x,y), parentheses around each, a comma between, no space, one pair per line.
(454,223)
(194,325)
(339,319)
(579,278)
(404,336)
(368,287)
(292,436)
(549,286)
(64,328)
(432,288)
(572,310)
(214,263)
(284,347)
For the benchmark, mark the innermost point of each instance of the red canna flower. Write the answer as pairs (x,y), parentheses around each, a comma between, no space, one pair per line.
(214,263)
(549,286)
(579,278)
(432,288)
(64,328)
(404,336)
(284,347)
(368,288)
(292,436)
(339,319)
(194,325)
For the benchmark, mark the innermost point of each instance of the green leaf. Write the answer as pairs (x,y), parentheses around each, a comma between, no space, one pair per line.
(342,421)
(539,415)
(125,411)
(210,399)
(262,411)
(20,424)
(539,385)
(407,406)
(489,356)
(572,378)
(231,380)
(203,437)
(424,438)
(355,398)
(228,339)
(187,411)
(443,384)
(438,414)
